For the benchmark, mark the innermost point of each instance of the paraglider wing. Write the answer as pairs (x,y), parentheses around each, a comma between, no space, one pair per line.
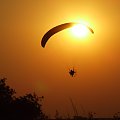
(58,29)
(53,31)
(90,29)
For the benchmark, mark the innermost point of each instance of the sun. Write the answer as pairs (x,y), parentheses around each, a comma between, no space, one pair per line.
(80,30)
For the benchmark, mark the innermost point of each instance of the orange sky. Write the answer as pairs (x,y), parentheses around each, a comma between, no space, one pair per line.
(29,67)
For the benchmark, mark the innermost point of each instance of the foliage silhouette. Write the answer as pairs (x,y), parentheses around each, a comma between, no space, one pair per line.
(27,107)
(91,115)
(6,99)
(57,116)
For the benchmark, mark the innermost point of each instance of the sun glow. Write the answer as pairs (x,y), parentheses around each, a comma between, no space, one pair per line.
(80,30)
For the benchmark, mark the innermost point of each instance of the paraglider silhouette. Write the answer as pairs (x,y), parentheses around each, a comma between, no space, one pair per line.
(58,28)
(72,72)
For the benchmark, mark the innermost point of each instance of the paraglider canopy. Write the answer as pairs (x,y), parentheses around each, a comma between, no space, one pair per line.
(56,29)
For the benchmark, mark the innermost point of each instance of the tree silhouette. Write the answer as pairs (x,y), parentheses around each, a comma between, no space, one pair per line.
(27,107)
(6,99)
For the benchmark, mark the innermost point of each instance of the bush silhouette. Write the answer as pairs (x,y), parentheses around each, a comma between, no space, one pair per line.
(25,107)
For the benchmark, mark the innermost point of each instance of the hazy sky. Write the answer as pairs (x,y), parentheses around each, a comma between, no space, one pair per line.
(31,68)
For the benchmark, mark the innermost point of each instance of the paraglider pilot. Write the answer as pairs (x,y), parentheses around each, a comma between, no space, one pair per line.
(72,72)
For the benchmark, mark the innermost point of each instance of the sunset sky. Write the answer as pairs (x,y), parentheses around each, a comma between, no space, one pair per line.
(96,57)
